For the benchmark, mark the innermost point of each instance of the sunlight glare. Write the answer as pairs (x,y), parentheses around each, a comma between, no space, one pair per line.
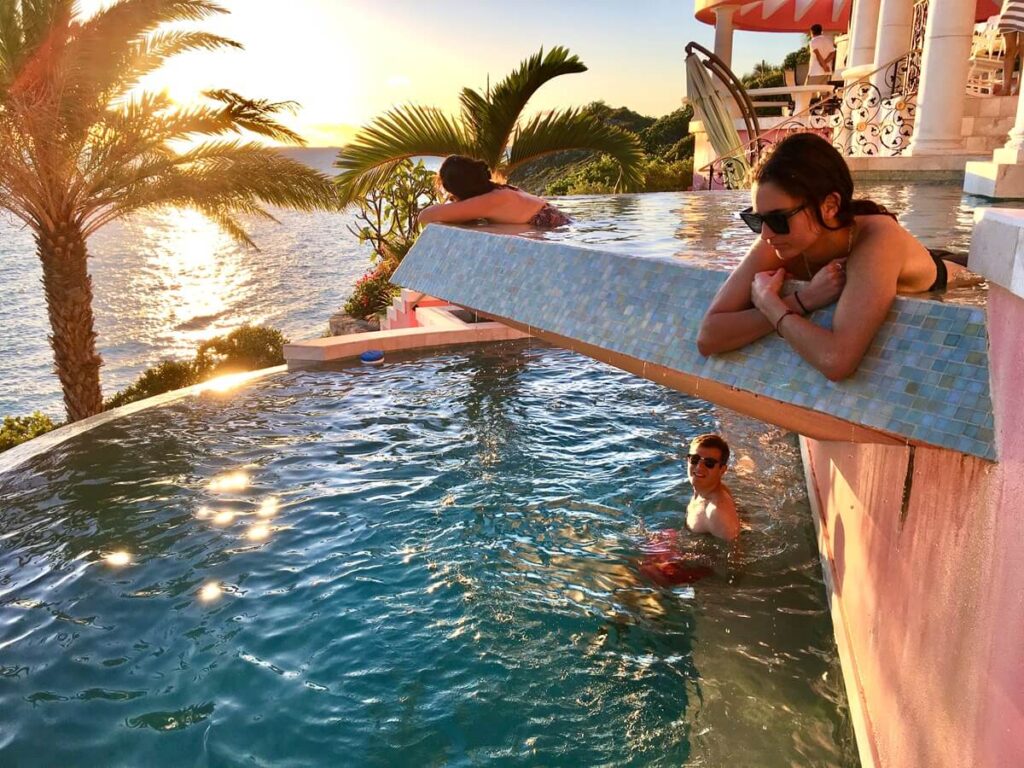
(210,591)
(233,481)
(119,558)
(223,383)
(224,518)
(268,507)
(258,532)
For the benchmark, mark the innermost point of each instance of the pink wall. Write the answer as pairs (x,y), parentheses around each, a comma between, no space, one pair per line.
(929,591)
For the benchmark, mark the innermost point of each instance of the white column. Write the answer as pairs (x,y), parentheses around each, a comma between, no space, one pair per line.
(895,23)
(944,65)
(863,25)
(1013,150)
(723,33)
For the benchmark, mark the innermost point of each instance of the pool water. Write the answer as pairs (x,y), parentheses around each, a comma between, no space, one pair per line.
(427,563)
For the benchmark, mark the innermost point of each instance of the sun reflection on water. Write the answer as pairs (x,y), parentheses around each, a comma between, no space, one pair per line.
(199,273)
(233,481)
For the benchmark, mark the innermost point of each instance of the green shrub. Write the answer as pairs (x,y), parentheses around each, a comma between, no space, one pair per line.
(248,348)
(598,177)
(664,176)
(162,377)
(387,219)
(17,429)
(373,292)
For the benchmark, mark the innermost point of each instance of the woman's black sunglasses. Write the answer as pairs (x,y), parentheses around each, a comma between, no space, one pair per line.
(709,462)
(777,221)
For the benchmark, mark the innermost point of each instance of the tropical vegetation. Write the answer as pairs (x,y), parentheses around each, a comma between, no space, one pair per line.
(81,146)
(18,429)
(247,348)
(387,220)
(490,127)
(667,163)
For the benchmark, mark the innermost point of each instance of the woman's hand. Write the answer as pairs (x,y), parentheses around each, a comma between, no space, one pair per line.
(826,285)
(764,292)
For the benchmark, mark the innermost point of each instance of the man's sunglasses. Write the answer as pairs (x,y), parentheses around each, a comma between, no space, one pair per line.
(777,221)
(709,462)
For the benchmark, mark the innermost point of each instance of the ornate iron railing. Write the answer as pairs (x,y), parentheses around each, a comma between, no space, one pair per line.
(858,118)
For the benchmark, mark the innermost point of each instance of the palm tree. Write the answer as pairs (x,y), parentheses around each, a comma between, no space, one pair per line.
(489,129)
(81,147)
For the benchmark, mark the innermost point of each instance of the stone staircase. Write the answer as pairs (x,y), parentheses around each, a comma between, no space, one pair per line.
(987,121)
(402,312)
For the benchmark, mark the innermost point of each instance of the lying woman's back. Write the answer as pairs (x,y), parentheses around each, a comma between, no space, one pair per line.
(476,196)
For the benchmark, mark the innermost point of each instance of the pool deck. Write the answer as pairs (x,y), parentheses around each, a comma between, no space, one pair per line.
(420,327)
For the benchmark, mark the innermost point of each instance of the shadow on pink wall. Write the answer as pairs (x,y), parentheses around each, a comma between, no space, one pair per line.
(925,553)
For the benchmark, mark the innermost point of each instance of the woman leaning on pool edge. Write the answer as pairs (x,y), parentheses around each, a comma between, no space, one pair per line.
(851,250)
(474,196)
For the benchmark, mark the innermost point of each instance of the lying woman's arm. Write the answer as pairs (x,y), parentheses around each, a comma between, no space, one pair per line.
(732,321)
(873,274)
(479,207)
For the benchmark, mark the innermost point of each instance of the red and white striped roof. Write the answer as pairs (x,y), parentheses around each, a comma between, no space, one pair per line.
(799,15)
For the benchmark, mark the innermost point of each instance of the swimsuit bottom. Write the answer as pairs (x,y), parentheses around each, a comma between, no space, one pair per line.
(548,217)
(940,256)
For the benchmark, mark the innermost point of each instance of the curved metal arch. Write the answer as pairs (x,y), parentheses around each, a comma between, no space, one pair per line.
(732,83)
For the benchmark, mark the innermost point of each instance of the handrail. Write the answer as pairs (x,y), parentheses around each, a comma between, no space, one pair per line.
(750,147)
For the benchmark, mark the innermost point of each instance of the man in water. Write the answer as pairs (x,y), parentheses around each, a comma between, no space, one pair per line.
(711,510)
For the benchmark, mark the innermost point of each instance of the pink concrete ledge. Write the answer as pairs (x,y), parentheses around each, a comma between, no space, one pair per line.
(442,334)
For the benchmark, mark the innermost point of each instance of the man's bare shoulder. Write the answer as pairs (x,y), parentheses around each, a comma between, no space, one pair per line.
(722,514)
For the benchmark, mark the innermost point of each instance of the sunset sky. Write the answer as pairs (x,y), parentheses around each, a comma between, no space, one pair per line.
(346,61)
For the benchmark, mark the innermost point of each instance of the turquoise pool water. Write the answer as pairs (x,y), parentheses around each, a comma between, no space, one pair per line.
(428,563)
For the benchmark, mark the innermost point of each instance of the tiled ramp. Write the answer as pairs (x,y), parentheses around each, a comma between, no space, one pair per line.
(924,380)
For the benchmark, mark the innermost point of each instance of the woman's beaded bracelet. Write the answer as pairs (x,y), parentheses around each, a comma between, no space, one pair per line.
(784,315)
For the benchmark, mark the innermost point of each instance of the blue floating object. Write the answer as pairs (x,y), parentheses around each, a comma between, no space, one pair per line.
(372,357)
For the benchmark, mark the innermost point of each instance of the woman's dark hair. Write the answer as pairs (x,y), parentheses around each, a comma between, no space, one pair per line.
(466,177)
(807,167)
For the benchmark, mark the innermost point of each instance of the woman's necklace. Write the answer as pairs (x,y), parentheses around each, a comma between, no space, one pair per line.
(849,250)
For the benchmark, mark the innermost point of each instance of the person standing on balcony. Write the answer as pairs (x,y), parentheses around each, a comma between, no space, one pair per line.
(823,55)
(1011,25)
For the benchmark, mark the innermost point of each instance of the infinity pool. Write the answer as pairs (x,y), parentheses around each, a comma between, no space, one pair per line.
(429,563)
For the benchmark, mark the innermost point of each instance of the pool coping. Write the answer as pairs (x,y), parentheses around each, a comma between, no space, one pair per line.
(19,454)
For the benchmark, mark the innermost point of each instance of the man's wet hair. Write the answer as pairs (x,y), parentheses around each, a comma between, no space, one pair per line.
(711,440)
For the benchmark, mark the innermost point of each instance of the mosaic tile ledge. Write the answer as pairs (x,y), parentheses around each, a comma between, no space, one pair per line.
(925,377)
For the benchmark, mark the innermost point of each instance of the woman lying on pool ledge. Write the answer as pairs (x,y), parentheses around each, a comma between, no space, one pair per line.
(812,229)
(476,196)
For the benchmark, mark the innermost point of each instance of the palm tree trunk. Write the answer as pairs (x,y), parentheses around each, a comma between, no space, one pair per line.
(68,290)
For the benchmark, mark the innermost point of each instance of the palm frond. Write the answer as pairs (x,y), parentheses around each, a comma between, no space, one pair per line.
(150,53)
(474,116)
(26,25)
(403,132)
(509,97)
(572,129)
(101,53)
(256,115)
(232,176)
